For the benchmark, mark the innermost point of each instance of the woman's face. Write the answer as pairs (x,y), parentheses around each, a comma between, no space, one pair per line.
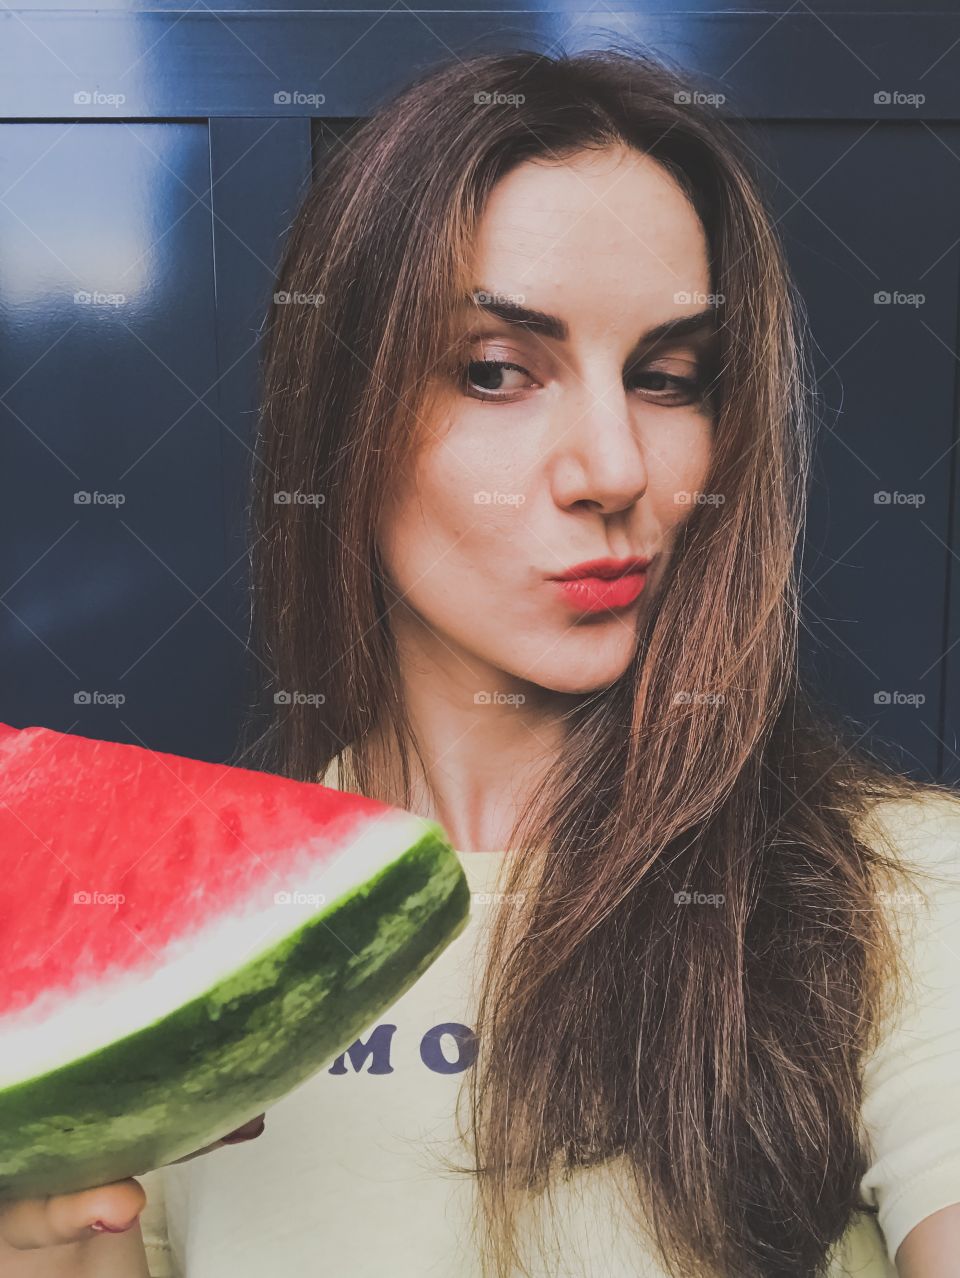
(570,439)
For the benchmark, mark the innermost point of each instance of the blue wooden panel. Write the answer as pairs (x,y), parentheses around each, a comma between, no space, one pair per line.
(950,729)
(186,194)
(106,364)
(727,9)
(877,555)
(200,63)
(259,170)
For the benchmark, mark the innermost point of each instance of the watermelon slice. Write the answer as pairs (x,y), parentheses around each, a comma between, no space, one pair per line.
(184,943)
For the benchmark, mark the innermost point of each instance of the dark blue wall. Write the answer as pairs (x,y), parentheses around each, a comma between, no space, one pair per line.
(151,159)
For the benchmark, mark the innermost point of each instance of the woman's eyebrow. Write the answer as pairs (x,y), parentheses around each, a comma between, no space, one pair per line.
(554,327)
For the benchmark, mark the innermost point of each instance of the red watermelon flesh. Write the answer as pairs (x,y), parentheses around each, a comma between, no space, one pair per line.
(184,943)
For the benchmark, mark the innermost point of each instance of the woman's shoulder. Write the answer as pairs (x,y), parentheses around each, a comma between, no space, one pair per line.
(920,829)
(330,776)
(153,1224)
(911,1102)
(338,774)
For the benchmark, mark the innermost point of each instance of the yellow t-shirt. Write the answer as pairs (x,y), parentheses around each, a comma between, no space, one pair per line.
(344,1178)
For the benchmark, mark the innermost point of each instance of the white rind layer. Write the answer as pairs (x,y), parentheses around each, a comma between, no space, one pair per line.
(66,1026)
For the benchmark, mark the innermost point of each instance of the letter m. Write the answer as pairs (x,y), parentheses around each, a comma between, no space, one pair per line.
(376,1046)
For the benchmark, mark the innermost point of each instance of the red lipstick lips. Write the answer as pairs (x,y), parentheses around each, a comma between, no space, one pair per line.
(605,568)
(599,585)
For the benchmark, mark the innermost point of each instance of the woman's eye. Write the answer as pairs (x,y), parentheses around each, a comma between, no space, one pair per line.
(494,379)
(491,378)
(669,388)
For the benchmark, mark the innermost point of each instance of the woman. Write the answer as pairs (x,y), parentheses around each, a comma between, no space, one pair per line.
(703,1021)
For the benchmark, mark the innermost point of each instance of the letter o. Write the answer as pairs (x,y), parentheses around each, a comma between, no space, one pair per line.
(431,1049)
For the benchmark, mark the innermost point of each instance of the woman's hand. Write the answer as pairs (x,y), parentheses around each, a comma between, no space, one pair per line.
(32,1223)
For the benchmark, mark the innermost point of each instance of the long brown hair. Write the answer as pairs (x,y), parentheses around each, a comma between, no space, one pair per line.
(714,1053)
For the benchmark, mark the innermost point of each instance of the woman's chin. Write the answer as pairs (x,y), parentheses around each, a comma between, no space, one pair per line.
(581,679)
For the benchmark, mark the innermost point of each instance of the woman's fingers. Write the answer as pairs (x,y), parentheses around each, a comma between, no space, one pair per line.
(65,1218)
(249,1131)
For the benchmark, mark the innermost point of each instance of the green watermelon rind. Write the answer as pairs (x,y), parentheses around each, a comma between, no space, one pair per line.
(110,1114)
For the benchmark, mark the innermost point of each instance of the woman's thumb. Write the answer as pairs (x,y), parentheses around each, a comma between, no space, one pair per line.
(64,1218)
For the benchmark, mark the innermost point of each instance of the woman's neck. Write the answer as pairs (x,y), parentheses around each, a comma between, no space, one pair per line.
(475,785)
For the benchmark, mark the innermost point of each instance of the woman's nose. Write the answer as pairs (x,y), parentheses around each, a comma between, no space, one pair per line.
(600,453)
